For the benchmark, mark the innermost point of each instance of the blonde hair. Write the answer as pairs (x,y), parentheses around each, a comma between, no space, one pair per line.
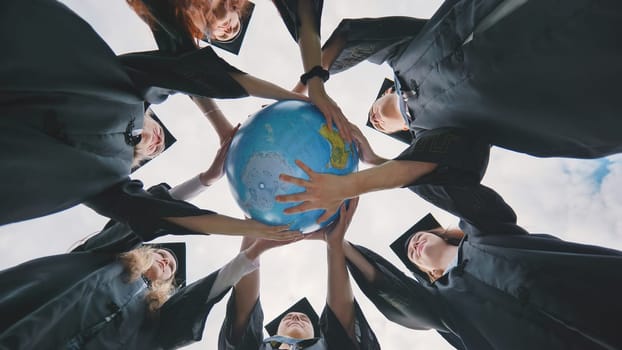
(136,262)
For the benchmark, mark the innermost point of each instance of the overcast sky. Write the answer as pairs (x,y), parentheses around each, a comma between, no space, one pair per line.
(578,200)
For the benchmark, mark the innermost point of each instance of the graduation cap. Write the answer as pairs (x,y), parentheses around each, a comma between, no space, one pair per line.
(178,249)
(400,245)
(402,135)
(169,139)
(233,45)
(302,306)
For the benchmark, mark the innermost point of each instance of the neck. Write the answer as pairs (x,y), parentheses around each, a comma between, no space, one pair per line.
(448,256)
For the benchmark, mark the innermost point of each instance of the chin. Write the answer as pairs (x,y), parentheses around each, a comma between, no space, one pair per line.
(297,333)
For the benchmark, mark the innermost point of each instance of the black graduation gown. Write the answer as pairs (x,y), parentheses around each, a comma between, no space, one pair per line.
(288,9)
(542,81)
(333,336)
(68,103)
(511,289)
(80,301)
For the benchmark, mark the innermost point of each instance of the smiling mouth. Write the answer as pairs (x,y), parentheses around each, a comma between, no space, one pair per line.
(420,248)
(226,25)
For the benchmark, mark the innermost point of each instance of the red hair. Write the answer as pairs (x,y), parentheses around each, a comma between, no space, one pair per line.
(182,11)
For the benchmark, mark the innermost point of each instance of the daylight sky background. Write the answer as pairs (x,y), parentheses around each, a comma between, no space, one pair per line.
(578,200)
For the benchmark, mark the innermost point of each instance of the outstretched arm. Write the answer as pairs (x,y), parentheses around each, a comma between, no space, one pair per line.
(330,52)
(264,89)
(342,315)
(183,316)
(214,115)
(229,226)
(339,295)
(326,191)
(367,270)
(197,184)
(366,153)
(310,51)
(400,298)
(246,291)
(459,156)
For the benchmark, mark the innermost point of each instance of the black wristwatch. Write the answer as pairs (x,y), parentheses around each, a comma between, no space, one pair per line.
(316,71)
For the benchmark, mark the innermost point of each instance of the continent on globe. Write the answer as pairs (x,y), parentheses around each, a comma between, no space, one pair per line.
(338,152)
(268,144)
(260,181)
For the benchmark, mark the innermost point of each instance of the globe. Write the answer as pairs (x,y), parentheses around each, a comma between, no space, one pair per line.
(268,144)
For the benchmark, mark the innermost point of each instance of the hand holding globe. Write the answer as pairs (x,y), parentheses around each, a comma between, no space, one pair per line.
(291,138)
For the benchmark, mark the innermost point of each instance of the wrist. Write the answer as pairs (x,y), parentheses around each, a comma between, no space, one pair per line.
(315,86)
(207,178)
(345,244)
(349,186)
(315,73)
(377,160)
(253,253)
(204,179)
(335,247)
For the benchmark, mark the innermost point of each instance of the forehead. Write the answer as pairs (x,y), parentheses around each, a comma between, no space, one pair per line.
(165,253)
(378,100)
(299,314)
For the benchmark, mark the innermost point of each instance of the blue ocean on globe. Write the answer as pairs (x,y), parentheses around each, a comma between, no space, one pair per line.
(268,144)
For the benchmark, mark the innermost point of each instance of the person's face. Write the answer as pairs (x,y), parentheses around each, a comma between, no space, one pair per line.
(221,22)
(385,114)
(296,325)
(152,138)
(163,267)
(426,250)
(226,27)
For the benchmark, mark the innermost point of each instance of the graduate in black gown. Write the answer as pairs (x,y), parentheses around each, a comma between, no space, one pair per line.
(342,324)
(492,285)
(71,110)
(177,27)
(92,298)
(463,86)
(108,311)
(513,71)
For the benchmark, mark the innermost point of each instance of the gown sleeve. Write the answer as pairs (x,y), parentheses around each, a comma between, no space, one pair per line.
(373,39)
(482,210)
(398,297)
(288,9)
(253,335)
(461,156)
(178,65)
(199,72)
(115,237)
(336,336)
(454,185)
(182,318)
(143,211)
